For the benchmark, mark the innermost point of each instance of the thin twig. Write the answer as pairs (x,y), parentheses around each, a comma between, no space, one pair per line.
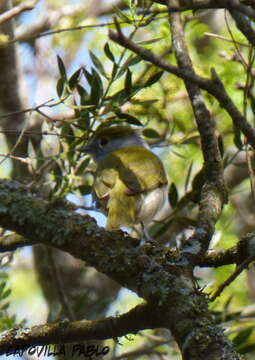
(25,160)
(214,85)
(15,145)
(24,6)
(220,37)
(232,277)
(207,5)
(234,41)
(35,108)
(41,133)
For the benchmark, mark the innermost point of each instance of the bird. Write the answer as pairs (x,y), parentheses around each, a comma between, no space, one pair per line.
(130,183)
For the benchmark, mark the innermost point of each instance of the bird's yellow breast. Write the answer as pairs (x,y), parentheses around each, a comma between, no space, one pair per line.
(123,179)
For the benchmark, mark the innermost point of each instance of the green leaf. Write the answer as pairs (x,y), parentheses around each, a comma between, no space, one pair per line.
(128,81)
(246,349)
(252,98)
(67,129)
(151,41)
(74,79)
(58,176)
(84,122)
(61,67)
(129,119)
(121,15)
(108,52)
(60,87)
(198,182)
(2,286)
(188,176)
(131,60)
(143,102)
(84,96)
(151,133)
(173,195)
(114,70)
(153,79)
(83,165)
(98,64)
(96,88)
(6,293)
(5,306)
(242,336)
(81,91)
(88,76)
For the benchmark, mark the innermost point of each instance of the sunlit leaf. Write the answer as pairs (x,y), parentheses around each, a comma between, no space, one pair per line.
(121,14)
(151,41)
(242,336)
(82,166)
(187,180)
(151,133)
(153,79)
(132,60)
(98,64)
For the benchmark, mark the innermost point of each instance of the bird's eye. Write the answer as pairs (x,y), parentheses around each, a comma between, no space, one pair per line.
(104,141)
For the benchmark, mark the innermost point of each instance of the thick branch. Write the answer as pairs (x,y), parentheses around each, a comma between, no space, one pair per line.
(244,25)
(235,255)
(235,5)
(164,281)
(66,332)
(214,86)
(242,7)
(10,100)
(213,192)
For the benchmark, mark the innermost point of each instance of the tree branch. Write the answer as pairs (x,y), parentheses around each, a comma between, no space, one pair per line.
(235,5)
(244,25)
(162,279)
(213,86)
(232,277)
(66,332)
(10,100)
(53,17)
(244,249)
(24,6)
(213,192)
(244,9)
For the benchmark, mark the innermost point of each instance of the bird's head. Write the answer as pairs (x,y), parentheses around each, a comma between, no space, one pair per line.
(111,139)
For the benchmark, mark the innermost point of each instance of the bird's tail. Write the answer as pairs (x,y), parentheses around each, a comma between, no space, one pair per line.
(122,208)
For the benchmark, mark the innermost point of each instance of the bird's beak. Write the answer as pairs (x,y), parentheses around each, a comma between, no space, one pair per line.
(86,149)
